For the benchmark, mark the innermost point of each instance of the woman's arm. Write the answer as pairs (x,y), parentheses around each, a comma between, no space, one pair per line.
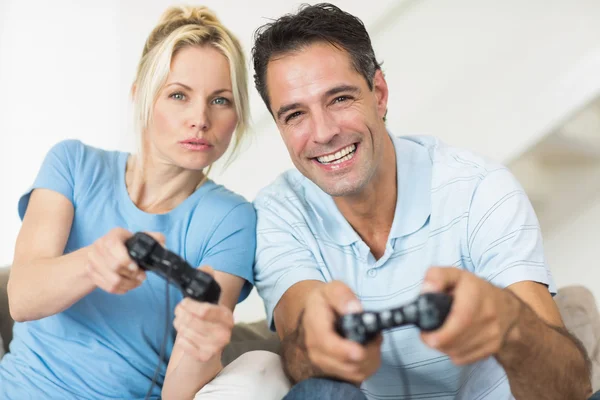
(43,281)
(203,331)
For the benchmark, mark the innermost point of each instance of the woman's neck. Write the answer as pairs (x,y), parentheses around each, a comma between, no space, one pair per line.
(157,187)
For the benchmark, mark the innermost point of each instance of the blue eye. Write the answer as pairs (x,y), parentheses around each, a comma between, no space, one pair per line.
(221,101)
(177,96)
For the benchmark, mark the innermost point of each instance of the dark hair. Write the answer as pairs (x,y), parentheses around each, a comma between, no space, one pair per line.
(322,22)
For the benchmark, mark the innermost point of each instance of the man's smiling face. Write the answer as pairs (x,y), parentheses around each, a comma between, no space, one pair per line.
(329,118)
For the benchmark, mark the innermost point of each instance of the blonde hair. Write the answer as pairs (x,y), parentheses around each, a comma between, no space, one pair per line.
(179,27)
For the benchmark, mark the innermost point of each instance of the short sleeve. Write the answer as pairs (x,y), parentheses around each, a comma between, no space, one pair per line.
(57,172)
(232,246)
(504,238)
(282,257)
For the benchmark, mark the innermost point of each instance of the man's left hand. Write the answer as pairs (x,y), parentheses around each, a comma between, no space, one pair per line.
(481,317)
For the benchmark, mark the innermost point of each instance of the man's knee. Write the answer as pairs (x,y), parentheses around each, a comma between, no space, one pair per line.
(253,375)
(320,388)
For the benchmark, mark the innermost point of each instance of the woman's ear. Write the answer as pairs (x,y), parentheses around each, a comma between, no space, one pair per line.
(133,90)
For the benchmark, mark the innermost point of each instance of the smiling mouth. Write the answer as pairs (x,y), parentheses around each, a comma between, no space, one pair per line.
(340,156)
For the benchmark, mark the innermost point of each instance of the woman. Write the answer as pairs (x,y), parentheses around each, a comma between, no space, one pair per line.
(90,322)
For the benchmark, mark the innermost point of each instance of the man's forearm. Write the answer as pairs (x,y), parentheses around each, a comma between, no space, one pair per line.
(542,361)
(296,364)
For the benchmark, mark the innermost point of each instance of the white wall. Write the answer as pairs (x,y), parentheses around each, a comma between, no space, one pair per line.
(65,72)
(489,75)
(561,175)
(58,79)
(492,76)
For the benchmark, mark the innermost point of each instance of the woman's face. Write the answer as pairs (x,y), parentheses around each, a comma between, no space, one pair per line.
(194,115)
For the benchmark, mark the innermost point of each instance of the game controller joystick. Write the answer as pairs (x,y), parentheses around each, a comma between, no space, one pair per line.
(428,312)
(192,282)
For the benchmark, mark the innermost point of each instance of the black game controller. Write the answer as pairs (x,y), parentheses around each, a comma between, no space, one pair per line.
(428,312)
(151,256)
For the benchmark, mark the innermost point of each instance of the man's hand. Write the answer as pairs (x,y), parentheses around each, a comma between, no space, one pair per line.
(481,318)
(327,350)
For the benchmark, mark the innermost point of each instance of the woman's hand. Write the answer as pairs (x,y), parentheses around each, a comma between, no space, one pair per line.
(203,329)
(109,265)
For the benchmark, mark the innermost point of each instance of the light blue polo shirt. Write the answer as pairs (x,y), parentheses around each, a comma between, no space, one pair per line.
(453,209)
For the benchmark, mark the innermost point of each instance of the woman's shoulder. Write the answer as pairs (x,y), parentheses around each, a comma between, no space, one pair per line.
(71,168)
(225,199)
(76,153)
(87,165)
(222,203)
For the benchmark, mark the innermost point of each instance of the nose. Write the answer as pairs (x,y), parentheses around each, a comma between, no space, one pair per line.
(325,127)
(199,119)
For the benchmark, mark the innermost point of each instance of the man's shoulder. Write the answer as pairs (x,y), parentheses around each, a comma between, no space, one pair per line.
(288,196)
(445,156)
(451,164)
(289,185)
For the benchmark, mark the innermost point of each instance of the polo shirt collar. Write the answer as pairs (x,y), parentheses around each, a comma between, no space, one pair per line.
(413,203)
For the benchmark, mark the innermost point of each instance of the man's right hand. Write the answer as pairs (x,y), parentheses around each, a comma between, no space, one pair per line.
(327,350)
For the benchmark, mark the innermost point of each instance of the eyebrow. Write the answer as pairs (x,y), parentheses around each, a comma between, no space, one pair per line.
(179,84)
(340,89)
(222,91)
(331,92)
(283,109)
(219,91)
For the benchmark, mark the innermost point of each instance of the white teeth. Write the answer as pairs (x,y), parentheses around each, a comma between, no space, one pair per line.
(342,155)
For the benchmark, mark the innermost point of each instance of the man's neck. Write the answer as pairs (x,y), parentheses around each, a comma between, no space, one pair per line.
(371,212)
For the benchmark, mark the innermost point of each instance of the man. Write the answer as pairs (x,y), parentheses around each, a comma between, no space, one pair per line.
(366,218)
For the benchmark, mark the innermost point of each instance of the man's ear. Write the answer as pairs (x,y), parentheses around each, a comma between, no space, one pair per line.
(380,88)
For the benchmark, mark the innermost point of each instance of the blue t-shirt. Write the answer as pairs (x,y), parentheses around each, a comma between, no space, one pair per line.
(106,346)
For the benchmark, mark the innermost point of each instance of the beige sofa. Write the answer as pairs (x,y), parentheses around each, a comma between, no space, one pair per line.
(576,303)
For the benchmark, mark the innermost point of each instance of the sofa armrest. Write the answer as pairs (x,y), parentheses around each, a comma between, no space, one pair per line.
(248,337)
(580,314)
(6,321)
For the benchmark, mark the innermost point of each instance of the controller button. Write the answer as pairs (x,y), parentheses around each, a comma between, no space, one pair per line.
(411,312)
(370,321)
(386,318)
(398,318)
(195,286)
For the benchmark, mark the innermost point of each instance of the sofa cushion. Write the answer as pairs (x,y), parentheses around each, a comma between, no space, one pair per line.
(581,317)
(246,337)
(5,320)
